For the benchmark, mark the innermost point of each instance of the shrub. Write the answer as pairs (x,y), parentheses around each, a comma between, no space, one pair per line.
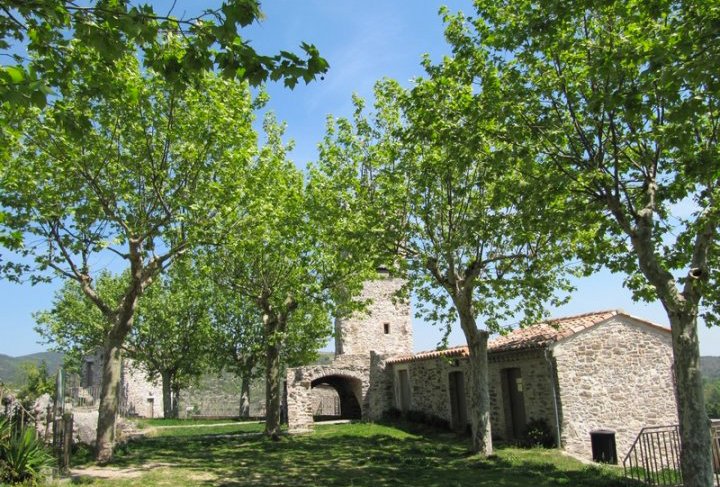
(23,457)
(538,433)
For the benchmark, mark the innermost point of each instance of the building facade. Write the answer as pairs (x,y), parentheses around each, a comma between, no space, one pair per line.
(602,371)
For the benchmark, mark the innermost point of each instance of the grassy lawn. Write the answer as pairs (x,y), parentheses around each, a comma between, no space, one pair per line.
(346,454)
(196,427)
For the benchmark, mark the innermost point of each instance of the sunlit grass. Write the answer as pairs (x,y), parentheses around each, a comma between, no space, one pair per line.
(348,454)
(147,422)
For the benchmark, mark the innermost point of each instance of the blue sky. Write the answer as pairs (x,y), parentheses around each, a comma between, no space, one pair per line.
(363,41)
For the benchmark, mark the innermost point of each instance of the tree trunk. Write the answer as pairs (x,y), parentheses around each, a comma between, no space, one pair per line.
(696,453)
(479,393)
(109,398)
(245,396)
(167,394)
(272,391)
(175,401)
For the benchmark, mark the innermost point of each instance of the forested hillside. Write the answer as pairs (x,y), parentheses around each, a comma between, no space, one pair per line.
(11,372)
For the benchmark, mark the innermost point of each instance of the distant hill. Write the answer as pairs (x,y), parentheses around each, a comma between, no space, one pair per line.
(710,367)
(11,372)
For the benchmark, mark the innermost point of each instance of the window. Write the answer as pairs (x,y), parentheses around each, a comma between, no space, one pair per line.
(386,328)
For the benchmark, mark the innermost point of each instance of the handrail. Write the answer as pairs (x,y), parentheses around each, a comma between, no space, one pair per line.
(654,457)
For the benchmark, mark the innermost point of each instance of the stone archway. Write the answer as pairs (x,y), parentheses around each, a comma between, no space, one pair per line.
(350,378)
(349,391)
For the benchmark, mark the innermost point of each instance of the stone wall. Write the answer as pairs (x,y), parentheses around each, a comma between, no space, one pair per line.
(384,327)
(140,397)
(219,396)
(352,370)
(537,380)
(616,376)
(430,388)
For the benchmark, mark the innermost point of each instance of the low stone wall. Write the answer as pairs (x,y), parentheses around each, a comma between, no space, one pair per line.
(219,396)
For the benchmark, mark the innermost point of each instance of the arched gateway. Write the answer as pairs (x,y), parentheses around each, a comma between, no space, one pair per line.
(362,343)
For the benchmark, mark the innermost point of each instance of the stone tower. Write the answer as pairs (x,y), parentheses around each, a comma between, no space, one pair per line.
(385,326)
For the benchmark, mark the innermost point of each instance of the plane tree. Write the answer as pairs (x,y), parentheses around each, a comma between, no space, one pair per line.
(129,169)
(297,263)
(455,202)
(170,338)
(237,337)
(44,29)
(620,100)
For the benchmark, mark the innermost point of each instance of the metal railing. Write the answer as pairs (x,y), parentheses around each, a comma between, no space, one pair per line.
(654,457)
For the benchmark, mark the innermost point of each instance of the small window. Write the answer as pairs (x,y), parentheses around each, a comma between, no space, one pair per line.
(386,328)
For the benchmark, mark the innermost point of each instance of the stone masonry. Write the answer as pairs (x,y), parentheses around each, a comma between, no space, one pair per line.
(616,377)
(357,373)
(138,396)
(599,371)
(430,388)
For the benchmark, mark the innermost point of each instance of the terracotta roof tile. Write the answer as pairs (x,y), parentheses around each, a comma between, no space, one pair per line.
(538,335)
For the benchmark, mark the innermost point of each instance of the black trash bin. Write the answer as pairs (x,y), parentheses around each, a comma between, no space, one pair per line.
(603,446)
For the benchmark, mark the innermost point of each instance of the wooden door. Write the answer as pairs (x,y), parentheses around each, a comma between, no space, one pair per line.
(458,406)
(515,409)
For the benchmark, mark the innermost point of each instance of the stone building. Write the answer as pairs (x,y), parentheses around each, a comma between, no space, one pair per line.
(357,374)
(138,396)
(213,396)
(597,371)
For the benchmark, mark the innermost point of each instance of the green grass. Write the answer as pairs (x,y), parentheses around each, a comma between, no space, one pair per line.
(342,455)
(205,430)
(145,422)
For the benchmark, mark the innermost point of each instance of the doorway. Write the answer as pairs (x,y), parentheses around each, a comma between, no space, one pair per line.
(404,390)
(515,402)
(458,406)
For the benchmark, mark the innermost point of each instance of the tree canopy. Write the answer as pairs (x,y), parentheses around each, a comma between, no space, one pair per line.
(454,201)
(620,101)
(297,263)
(126,167)
(212,41)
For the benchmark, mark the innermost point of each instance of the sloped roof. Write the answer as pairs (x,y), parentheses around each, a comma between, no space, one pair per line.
(538,335)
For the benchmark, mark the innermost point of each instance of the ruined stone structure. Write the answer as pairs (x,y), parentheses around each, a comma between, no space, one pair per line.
(598,371)
(138,396)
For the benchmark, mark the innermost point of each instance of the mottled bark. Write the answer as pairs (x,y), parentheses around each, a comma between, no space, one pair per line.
(696,453)
(272,391)
(479,410)
(682,310)
(175,400)
(166,379)
(109,398)
(245,396)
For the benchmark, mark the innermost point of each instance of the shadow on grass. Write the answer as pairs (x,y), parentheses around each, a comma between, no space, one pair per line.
(359,455)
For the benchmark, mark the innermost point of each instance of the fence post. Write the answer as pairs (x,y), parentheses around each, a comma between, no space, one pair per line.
(67,424)
(48,421)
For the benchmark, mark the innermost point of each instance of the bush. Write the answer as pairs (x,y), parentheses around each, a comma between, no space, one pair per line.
(538,433)
(23,458)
